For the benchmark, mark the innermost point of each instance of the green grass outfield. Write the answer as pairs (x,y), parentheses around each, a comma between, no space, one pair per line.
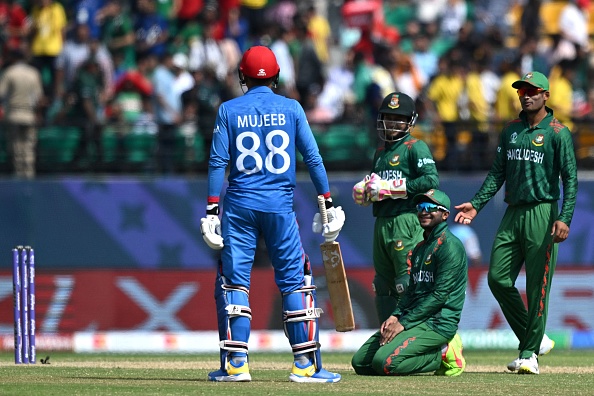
(562,372)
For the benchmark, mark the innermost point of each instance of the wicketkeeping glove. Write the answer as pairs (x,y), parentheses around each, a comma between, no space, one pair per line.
(379,189)
(211,228)
(359,194)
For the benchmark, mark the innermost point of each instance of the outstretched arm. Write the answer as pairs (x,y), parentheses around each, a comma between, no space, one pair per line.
(466,213)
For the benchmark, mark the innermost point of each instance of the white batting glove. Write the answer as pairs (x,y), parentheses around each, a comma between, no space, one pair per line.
(211,229)
(316,226)
(359,194)
(379,189)
(336,218)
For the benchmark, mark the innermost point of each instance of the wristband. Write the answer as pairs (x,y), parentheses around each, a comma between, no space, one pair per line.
(212,209)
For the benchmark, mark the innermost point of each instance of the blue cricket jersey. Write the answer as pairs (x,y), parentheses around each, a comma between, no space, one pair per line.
(257,135)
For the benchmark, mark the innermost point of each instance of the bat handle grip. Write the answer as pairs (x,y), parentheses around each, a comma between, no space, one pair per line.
(322,207)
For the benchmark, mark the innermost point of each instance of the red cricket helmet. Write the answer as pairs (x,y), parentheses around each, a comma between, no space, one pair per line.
(259,62)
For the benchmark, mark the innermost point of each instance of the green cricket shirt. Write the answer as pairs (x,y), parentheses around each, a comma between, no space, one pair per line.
(530,160)
(410,159)
(437,287)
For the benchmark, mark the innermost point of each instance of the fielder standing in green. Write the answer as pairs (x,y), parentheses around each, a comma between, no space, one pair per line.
(420,335)
(402,167)
(534,150)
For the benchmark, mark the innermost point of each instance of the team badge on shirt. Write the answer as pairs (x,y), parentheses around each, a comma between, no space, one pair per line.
(513,138)
(394,102)
(538,140)
(428,259)
(398,245)
(395,160)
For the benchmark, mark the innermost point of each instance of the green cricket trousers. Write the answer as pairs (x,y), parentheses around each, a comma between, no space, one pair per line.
(417,350)
(394,238)
(524,238)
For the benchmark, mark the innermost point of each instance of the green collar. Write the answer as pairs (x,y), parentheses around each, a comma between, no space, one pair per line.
(544,122)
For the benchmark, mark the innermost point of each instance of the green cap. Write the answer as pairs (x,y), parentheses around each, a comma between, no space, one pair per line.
(534,78)
(435,196)
(398,103)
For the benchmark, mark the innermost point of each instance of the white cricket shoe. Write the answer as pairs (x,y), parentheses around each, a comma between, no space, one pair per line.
(514,365)
(529,366)
(546,345)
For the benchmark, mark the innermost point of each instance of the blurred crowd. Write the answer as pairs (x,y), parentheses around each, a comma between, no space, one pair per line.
(162,67)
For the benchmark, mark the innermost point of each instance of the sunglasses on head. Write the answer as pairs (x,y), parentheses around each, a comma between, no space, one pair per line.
(529,91)
(430,207)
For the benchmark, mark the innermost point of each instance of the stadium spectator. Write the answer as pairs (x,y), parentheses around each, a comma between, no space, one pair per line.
(188,11)
(282,12)
(430,11)
(528,20)
(561,97)
(214,33)
(399,13)
(444,92)
(404,72)
(78,50)
(453,18)
(130,90)
(320,33)
(169,9)
(206,96)
(479,117)
(422,56)
(146,122)
(507,105)
(83,108)
(205,51)
(280,46)
(330,104)
(532,57)
(490,82)
(492,16)
(118,35)
(255,13)
(168,111)
(573,27)
(371,84)
(87,12)
(309,78)
(48,21)
(21,92)
(151,29)
(237,28)
(14,25)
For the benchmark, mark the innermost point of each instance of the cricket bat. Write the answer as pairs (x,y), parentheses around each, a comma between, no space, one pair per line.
(338,286)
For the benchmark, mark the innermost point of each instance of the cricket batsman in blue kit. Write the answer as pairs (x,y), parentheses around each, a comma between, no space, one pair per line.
(257,135)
